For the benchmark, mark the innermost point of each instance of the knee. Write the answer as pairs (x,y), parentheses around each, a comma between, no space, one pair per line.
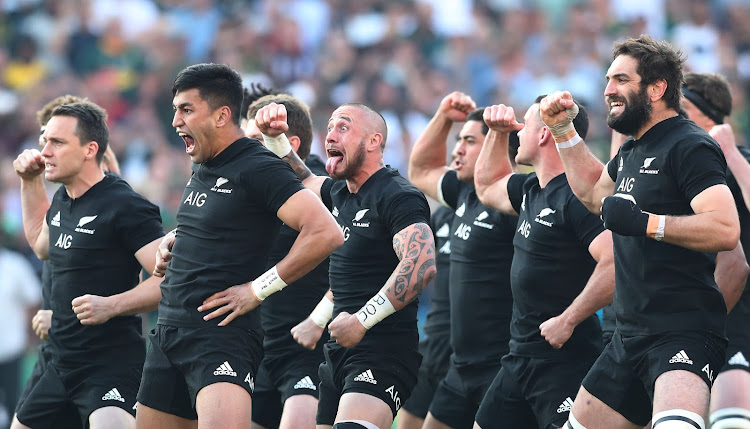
(730,418)
(354,424)
(678,419)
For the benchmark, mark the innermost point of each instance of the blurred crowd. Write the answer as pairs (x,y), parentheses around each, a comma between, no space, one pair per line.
(398,56)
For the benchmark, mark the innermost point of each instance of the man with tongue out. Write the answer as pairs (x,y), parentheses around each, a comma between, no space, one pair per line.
(387,258)
(207,345)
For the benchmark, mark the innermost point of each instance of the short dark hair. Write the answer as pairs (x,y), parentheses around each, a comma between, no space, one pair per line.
(251,95)
(580,122)
(217,84)
(478,115)
(298,118)
(380,125)
(91,126)
(656,60)
(43,115)
(713,90)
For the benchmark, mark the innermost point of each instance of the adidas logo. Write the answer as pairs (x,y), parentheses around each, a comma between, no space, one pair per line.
(335,211)
(367,377)
(306,383)
(446,249)
(444,231)
(739,359)
(460,211)
(681,357)
(565,406)
(225,369)
(55,220)
(113,395)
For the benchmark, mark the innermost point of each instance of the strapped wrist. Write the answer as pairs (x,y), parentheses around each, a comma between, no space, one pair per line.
(279,145)
(376,309)
(267,284)
(322,312)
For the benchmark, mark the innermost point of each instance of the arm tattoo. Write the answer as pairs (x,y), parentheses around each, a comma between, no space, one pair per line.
(299,167)
(415,247)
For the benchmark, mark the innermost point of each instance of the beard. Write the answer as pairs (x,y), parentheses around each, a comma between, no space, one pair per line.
(636,112)
(354,165)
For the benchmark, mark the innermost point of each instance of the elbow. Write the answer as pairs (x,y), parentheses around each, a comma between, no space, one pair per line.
(731,236)
(481,191)
(336,237)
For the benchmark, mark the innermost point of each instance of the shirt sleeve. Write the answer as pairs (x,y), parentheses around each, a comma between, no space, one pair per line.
(587,225)
(612,167)
(273,182)
(407,209)
(697,167)
(515,190)
(450,187)
(139,223)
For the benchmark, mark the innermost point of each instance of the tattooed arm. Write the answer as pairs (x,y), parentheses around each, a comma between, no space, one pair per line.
(311,181)
(415,248)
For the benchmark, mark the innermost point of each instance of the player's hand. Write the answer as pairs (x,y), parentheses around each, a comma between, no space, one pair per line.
(501,118)
(271,120)
(164,254)
(307,333)
(724,135)
(29,164)
(236,300)
(557,331)
(93,309)
(558,110)
(41,323)
(347,330)
(456,106)
(622,215)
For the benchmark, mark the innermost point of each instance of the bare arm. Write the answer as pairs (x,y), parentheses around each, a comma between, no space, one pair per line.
(714,227)
(29,166)
(427,160)
(731,274)
(587,176)
(95,310)
(737,163)
(493,169)
(415,247)
(319,235)
(596,294)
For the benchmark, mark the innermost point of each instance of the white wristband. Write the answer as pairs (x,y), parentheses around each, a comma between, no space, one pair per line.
(278,145)
(660,229)
(267,284)
(322,312)
(376,309)
(569,143)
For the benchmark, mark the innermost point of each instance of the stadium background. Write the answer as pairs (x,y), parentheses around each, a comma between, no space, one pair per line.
(400,57)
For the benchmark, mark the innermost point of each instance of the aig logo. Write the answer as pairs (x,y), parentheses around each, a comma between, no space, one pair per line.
(64,241)
(195,199)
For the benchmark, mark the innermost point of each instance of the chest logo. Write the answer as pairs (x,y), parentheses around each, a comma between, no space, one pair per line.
(479,221)
(217,187)
(358,217)
(460,211)
(335,211)
(545,212)
(645,167)
(84,221)
(443,232)
(55,220)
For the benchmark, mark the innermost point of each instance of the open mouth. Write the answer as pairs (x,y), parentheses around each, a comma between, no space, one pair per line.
(189,142)
(616,106)
(334,158)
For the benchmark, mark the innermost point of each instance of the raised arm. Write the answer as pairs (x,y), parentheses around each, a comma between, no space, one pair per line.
(95,310)
(29,166)
(587,176)
(737,163)
(596,294)
(493,169)
(427,160)
(415,248)
(319,235)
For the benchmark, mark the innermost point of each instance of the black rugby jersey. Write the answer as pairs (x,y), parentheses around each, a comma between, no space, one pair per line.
(480,295)
(737,331)
(662,287)
(438,318)
(384,205)
(283,310)
(93,241)
(226,225)
(551,263)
